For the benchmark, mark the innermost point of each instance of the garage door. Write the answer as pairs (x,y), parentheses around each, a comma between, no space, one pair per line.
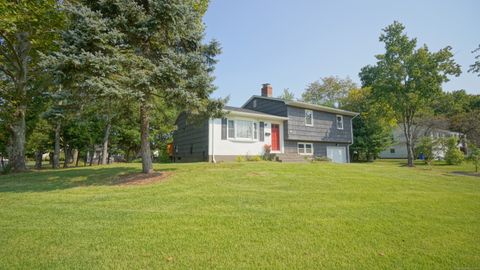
(337,154)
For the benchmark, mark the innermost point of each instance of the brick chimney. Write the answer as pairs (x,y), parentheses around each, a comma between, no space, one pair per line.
(266,90)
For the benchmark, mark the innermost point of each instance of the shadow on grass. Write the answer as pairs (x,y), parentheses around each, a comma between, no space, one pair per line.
(48,180)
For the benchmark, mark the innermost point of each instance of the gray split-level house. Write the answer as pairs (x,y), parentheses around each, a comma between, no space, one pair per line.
(293,130)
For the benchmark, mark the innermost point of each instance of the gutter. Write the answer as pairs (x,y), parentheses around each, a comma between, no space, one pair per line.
(351,134)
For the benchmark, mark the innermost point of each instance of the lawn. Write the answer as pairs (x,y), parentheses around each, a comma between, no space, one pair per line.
(243,215)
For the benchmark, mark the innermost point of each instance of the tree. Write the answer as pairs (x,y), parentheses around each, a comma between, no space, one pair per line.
(165,57)
(407,78)
(475,67)
(453,155)
(287,95)
(372,128)
(474,156)
(329,92)
(27,28)
(425,147)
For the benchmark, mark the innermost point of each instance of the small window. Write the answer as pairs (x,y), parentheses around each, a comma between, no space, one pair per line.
(339,122)
(254,103)
(231,129)
(392,150)
(305,148)
(308,117)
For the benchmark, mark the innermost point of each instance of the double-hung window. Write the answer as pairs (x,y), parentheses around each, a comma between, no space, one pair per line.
(309,118)
(339,122)
(242,130)
(305,148)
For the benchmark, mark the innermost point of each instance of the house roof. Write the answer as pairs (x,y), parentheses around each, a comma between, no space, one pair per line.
(251,113)
(306,105)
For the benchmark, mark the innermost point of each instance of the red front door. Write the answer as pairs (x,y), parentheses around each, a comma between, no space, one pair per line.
(275,137)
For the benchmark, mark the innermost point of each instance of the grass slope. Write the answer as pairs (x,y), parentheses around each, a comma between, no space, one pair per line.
(242,215)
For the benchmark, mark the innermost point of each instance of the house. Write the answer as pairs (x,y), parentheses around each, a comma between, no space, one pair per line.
(399,148)
(294,130)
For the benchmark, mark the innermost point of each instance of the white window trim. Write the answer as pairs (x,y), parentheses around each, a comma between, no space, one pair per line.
(307,124)
(234,138)
(305,148)
(336,121)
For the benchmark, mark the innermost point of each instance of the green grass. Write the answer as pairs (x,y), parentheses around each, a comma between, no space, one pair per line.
(243,215)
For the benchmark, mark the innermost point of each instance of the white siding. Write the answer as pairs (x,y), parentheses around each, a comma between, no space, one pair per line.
(217,146)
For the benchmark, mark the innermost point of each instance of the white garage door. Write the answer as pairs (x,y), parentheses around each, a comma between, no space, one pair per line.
(337,154)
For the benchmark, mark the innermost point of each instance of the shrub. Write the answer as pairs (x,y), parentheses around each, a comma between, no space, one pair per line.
(474,156)
(239,159)
(321,159)
(425,147)
(453,156)
(253,158)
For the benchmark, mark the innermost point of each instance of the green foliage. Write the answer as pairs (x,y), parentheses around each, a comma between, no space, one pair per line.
(372,128)
(287,95)
(475,67)
(253,158)
(453,155)
(425,147)
(240,158)
(329,92)
(474,156)
(321,159)
(408,78)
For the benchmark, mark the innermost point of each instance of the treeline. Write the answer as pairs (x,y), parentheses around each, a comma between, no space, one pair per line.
(79,74)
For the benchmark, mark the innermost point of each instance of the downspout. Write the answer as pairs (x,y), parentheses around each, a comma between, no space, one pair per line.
(213,140)
(351,134)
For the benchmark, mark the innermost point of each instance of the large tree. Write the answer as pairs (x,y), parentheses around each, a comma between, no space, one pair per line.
(408,78)
(165,55)
(372,128)
(329,91)
(27,28)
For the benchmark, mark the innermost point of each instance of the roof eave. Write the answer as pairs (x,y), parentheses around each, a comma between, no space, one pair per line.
(258,115)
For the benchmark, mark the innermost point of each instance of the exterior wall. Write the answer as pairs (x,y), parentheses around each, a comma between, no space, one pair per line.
(190,140)
(319,148)
(275,107)
(400,151)
(233,147)
(324,127)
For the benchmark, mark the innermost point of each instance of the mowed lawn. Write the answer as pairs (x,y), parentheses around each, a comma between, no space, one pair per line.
(243,215)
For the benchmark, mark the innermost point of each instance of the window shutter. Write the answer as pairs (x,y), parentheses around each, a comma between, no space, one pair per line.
(262,131)
(224,128)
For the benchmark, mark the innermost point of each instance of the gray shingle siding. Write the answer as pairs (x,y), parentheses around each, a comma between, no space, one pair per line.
(319,148)
(324,127)
(275,107)
(191,140)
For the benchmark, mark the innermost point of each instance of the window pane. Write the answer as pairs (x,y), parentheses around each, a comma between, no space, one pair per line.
(231,129)
(308,117)
(244,129)
(339,122)
(255,130)
(301,148)
(308,148)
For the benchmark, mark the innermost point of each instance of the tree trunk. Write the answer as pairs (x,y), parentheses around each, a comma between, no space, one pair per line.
(75,157)
(85,160)
(105,143)
(407,129)
(92,155)
(38,159)
(56,150)
(17,141)
(67,154)
(2,162)
(145,141)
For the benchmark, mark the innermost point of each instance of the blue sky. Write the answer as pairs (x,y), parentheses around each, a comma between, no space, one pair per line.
(293,43)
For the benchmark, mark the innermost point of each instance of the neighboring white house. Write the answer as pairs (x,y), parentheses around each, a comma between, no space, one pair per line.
(399,148)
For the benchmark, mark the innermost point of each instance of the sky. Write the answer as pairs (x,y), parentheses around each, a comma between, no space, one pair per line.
(290,44)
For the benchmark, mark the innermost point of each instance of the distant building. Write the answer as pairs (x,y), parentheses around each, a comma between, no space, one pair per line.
(399,148)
